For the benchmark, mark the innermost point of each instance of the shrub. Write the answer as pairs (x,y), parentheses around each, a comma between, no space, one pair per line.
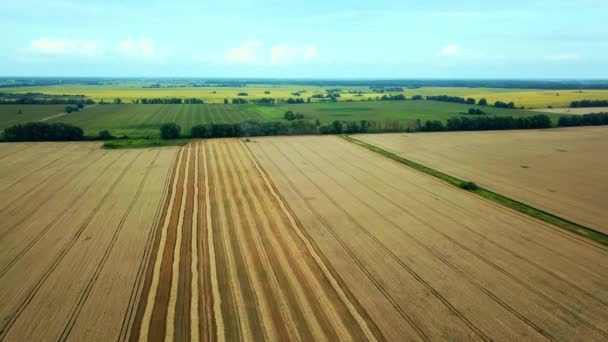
(170,130)
(289,115)
(105,135)
(469,186)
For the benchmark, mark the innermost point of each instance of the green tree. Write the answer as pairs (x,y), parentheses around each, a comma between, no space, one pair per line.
(105,135)
(170,130)
(483,102)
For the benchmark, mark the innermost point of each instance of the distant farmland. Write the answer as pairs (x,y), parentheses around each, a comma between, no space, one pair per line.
(9,114)
(144,120)
(560,171)
(529,98)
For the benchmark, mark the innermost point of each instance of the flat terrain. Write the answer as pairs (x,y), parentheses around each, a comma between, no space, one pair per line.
(574,111)
(75,225)
(145,120)
(280,239)
(428,261)
(230,262)
(9,114)
(561,171)
(529,98)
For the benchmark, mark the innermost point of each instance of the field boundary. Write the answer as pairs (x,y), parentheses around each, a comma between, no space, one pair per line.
(539,214)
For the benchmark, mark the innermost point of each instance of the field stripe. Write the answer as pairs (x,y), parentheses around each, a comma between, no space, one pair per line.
(285,323)
(234,314)
(255,266)
(128,323)
(364,322)
(149,306)
(308,293)
(217,304)
(175,274)
(194,289)
(63,252)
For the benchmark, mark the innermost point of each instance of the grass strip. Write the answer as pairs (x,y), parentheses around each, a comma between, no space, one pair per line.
(142,143)
(490,195)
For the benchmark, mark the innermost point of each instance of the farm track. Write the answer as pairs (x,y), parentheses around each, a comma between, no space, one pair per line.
(538,294)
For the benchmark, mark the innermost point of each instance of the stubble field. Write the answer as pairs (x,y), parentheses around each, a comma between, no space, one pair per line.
(303,238)
(559,171)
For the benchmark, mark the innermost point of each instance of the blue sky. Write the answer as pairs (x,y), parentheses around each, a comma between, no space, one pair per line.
(345,39)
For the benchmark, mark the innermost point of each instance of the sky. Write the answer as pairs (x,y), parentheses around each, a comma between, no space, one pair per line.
(306,38)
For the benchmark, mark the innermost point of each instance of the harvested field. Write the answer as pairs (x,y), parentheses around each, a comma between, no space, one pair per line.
(74,228)
(574,111)
(230,262)
(307,238)
(559,171)
(427,261)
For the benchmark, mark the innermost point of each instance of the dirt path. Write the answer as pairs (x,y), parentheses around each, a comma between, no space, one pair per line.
(64,113)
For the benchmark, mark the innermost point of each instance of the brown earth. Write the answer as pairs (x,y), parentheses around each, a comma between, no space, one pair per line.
(428,261)
(561,171)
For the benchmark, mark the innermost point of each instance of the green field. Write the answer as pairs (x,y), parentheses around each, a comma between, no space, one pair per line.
(145,120)
(529,98)
(9,113)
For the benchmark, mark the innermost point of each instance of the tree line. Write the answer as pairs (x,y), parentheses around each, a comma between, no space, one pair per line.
(589,103)
(45,101)
(593,119)
(168,100)
(42,131)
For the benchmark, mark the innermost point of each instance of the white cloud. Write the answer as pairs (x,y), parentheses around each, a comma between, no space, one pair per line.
(454,51)
(282,54)
(137,48)
(246,53)
(53,46)
(563,57)
(450,50)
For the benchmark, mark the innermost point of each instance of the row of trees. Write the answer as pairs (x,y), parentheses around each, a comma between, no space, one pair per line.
(398,97)
(44,101)
(594,119)
(289,116)
(589,103)
(42,131)
(168,100)
(476,111)
(500,104)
